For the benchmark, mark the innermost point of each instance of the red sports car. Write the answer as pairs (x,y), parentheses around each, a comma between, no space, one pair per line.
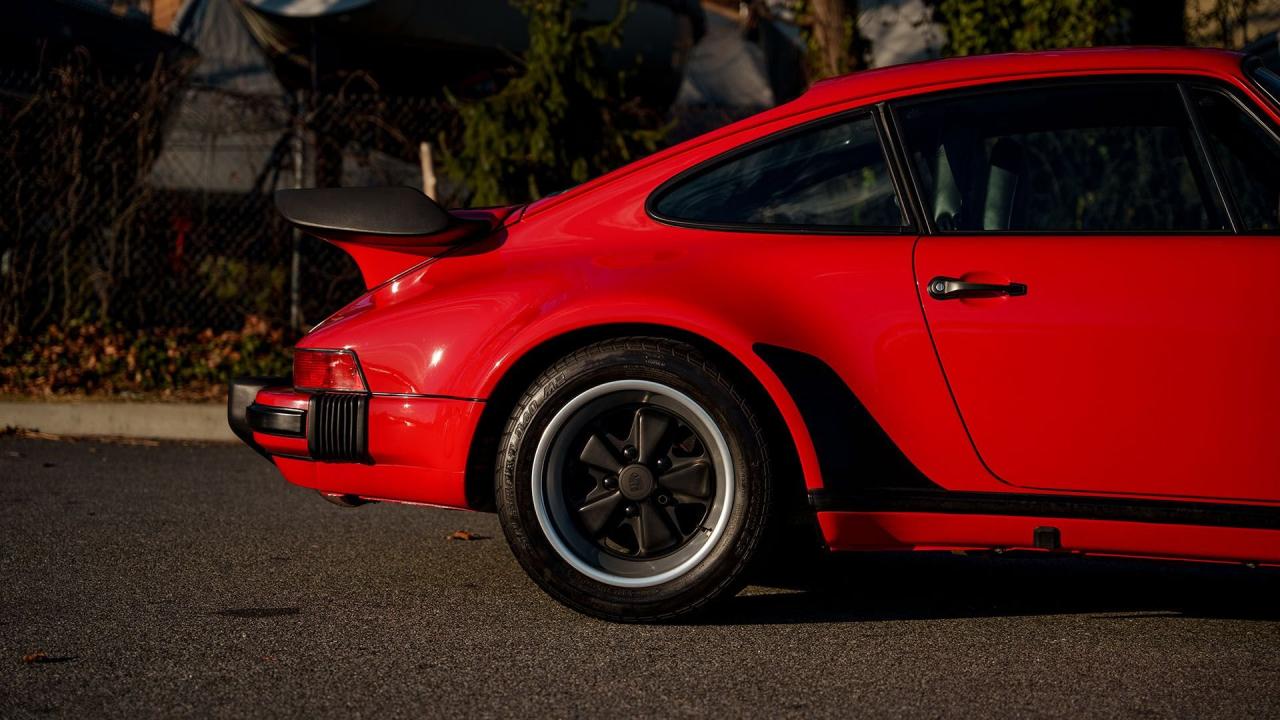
(1021,301)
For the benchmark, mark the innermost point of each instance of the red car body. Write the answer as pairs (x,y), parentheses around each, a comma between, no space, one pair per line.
(1127,404)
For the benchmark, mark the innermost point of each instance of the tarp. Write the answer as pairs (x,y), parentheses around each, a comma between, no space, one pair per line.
(725,69)
(223,132)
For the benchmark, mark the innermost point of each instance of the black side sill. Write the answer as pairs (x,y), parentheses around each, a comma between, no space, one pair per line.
(1176,512)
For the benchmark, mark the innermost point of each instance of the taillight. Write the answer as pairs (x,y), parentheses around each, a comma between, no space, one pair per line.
(326,370)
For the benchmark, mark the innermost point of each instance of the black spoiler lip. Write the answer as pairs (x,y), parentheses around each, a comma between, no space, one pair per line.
(379,211)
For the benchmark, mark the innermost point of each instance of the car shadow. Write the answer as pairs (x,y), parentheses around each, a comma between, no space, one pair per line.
(858,587)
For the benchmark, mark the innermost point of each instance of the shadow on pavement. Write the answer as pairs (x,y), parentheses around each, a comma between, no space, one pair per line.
(922,586)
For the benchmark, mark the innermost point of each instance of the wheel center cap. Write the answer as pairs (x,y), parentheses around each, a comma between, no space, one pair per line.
(635,482)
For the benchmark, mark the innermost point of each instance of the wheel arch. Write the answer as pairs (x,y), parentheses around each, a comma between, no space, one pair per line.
(796,461)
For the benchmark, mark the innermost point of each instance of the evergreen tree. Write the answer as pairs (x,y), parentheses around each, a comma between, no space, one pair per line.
(976,27)
(561,120)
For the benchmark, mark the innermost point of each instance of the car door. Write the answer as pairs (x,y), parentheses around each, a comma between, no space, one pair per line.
(1102,325)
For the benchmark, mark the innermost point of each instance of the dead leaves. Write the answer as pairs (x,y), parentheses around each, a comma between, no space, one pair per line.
(121,440)
(183,364)
(40,657)
(28,433)
(465,535)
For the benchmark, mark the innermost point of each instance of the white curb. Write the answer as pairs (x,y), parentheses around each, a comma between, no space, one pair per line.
(165,421)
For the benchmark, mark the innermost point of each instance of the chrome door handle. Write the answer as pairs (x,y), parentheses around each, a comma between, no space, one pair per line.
(946,288)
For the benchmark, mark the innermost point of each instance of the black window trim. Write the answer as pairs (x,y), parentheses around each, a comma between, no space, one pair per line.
(896,155)
(927,224)
(908,227)
(1178,80)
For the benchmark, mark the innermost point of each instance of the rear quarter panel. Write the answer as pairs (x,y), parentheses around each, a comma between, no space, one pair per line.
(456,326)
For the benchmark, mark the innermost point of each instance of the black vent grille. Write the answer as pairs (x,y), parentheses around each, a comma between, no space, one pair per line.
(337,427)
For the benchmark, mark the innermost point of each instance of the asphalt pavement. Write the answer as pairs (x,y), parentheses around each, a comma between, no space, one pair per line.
(190,580)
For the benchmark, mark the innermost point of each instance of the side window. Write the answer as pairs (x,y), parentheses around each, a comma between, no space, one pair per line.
(1247,156)
(831,176)
(1080,157)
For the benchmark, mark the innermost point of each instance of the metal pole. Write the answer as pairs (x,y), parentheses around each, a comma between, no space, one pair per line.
(295,262)
(301,114)
(428,170)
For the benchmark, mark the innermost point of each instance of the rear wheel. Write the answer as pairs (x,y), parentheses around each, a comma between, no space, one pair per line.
(633,480)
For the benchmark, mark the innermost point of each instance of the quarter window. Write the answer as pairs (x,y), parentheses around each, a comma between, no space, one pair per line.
(832,176)
(1109,156)
(1247,157)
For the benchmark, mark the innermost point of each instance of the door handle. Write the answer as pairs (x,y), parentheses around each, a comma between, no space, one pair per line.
(945,288)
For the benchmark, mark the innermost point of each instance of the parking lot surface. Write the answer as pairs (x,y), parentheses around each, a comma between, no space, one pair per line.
(178,579)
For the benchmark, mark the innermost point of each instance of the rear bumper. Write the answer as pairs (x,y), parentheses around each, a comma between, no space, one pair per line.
(378,447)
(241,395)
(285,422)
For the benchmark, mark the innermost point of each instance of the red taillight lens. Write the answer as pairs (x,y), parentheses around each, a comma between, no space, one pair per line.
(326,370)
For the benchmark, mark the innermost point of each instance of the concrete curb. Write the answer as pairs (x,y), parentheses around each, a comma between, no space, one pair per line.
(164,421)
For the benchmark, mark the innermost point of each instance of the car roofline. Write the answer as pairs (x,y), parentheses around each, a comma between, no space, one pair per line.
(881,84)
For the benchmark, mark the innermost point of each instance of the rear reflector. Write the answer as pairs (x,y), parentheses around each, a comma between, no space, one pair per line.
(327,370)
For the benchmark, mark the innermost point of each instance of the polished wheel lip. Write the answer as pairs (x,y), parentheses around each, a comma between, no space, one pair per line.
(716,443)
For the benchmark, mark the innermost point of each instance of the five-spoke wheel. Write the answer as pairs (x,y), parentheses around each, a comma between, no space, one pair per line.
(632,482)
(623,484)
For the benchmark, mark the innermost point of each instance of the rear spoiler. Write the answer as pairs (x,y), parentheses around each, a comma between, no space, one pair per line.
(386,230)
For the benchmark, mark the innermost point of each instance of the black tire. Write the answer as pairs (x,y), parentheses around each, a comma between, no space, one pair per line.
(740,516)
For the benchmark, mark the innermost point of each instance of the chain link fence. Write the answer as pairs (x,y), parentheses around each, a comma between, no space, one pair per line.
(145,202)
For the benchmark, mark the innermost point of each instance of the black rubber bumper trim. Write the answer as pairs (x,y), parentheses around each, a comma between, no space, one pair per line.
(1169,512)
(241,393)
(338,427)
(285,422)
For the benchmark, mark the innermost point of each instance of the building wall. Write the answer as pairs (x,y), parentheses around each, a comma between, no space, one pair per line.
(1231,23)
(163,13)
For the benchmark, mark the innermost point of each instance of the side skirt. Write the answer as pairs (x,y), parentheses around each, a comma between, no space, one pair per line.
(934,520)
(888,530)
(1173,512)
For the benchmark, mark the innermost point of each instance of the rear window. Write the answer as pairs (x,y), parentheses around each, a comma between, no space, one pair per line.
(832,176)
